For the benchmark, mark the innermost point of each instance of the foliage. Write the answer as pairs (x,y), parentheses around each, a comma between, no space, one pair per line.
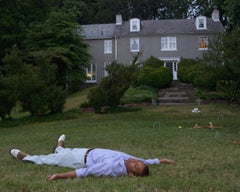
(197,73)
(186,70)
(205,77)
(139,94)
(111,88)
(62,45)
(223,56)
(33,86)
(227,88)
(210,95)
(104,11)
(153,74)
(231,8)
(119,109)
(49,28)
(153,62)
(8,95)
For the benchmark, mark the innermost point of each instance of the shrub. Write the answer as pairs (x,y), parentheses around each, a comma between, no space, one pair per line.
(227,87)
(56,99)
(186,70)
(112,88)
(155,77)
(153,62)
(153,74)
(8,95)
(139,94)
(205,77)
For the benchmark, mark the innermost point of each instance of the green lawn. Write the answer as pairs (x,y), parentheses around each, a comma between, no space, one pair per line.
(206,159)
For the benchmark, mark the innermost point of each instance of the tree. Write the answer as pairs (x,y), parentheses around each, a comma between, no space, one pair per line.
(111,88)
(231,8)
(224,57)
(33,86)
(62,45)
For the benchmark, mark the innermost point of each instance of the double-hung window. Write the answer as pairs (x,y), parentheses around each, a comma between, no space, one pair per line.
(201,22)
(107,46)
(134,45)
(134,25)
(203,43)
(91,73)
(168,43)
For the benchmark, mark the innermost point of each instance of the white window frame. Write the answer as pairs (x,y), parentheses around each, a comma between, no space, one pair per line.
(107,46)
(132,42)
(168,43)
(134,25)
(201,23)
(105,65)
(91,73)
(203,43)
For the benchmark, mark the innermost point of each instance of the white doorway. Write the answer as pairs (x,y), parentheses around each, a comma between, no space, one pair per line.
(172,64)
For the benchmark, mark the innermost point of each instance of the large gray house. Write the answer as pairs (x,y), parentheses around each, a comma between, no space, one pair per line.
(169,40)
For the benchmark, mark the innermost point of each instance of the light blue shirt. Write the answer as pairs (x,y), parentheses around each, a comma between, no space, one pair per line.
(105,162)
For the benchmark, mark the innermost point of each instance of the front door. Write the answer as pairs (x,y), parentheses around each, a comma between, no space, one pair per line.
(173,66)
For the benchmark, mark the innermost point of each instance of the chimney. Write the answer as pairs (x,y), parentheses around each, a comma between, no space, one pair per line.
(215,14)
(119,19)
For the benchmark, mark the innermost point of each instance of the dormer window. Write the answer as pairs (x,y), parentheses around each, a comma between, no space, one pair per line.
(201,22)
(134,25)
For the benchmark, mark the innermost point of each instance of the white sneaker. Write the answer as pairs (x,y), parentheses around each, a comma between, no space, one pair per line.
(14,152)
(62,138)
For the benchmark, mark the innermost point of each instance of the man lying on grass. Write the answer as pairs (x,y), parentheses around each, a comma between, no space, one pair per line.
(90,161)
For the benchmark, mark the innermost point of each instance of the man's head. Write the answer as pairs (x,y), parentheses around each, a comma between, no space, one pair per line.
(136,167)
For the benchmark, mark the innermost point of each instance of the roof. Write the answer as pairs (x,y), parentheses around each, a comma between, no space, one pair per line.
(98,31)
(149,27)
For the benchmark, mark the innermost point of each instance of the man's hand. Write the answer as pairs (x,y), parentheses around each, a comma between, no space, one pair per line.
(71,174)
(53,177)
(167,161)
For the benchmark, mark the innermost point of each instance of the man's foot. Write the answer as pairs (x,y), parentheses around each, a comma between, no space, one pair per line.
(60,142)
(16,153)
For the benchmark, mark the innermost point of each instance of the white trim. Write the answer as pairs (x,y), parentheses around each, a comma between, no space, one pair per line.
(201,23)
(107,46)
(134,44)
(134,25)
(174,61)
(203,43)
(90,73)
(170,58)
(168,42)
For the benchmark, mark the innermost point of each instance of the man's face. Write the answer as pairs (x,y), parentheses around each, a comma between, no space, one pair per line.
(135,167)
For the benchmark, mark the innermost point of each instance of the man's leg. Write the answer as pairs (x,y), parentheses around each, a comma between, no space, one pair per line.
(65,157)
(60,142)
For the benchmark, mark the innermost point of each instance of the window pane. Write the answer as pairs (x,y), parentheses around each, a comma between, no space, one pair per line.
(168,43)
(134,44)
(203,43)
(91,73)
(108,46)
(164,43)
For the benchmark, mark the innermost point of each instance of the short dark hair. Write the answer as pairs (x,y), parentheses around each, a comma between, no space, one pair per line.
(145,171)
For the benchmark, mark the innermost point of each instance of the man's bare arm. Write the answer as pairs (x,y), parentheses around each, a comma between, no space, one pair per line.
(167,161)
(71,174)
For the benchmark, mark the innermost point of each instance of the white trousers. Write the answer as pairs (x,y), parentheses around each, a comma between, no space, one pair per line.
(64,157)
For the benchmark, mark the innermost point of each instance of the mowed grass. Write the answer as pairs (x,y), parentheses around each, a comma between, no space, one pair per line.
(206,159)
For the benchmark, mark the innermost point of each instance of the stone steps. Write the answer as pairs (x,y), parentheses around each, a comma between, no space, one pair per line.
(177,93)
